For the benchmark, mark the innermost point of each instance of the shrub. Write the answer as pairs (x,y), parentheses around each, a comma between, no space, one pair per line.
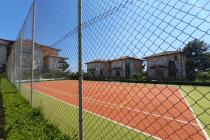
(203,76)
(139,76)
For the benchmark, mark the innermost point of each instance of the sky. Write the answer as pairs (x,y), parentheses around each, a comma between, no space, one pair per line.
(111,28)
(12,14)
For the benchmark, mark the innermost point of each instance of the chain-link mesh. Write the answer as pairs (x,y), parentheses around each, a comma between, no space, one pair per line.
(146,67)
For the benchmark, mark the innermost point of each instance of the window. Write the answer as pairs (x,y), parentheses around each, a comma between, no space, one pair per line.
(92,73)
(117,73)
(127,70)
(175,58)
(101,72)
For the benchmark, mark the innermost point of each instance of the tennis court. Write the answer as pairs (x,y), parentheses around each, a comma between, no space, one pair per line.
(159,111)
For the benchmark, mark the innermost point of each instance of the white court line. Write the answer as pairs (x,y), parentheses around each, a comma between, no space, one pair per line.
(123,125)
(144,112)
(123,107)
(198,121)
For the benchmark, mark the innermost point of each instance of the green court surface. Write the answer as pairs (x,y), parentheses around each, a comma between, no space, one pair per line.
(199,100)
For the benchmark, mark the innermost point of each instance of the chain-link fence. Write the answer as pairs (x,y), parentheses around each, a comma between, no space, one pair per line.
(123,69)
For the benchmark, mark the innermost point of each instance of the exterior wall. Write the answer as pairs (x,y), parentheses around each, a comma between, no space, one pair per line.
(112,68)
(51,60)
(97,67)
(153,74)
(38,60)
(53,63)
(26,61)
(3,57)
(135,67)
(46,50)
(40,53)
(61,63)
(117,66)
(163,60)
(60,66)
(26,56)
(49,51)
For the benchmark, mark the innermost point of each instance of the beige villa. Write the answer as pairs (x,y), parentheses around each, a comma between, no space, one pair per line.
(45,59)
(4,50)
(166,65)
(123,67)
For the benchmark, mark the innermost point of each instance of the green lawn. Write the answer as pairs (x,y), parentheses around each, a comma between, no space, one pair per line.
(65,116)
(199,100)
(21,121)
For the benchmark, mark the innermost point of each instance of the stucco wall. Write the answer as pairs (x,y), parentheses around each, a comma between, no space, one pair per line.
(53,63)
(116,65)
(26,56)
(135,67)
(49,51)
(3,54)
(163,60)
(38,60)
(99,66)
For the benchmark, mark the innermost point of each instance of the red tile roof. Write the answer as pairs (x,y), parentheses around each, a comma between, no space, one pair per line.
(163,54)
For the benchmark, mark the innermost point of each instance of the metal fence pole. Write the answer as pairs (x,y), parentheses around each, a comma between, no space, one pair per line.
(33,46)
(20,61)
(14,64)
(80,69)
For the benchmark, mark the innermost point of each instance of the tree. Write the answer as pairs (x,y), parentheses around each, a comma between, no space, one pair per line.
(196,57)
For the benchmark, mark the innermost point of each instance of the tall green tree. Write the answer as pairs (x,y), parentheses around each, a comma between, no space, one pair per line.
(196,52)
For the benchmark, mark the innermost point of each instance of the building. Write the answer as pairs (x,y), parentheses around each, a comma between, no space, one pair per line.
(126,66)
(54,63)
(52,60)
(123,67)
(45,58)
(99,67)
(168,65)
(4,49)
(27,56)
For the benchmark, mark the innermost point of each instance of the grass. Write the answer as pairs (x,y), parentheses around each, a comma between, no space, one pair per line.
(199,100)
(65,116)
(21,121)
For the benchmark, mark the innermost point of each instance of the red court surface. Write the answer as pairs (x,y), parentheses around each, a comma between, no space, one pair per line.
(156,110)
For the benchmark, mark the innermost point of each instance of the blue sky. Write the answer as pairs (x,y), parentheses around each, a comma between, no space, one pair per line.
(113,28)
(118,28)
(12,14)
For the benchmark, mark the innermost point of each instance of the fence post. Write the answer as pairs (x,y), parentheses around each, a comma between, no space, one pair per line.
(80,69)
(20,61)
(14,65)
(33,46)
